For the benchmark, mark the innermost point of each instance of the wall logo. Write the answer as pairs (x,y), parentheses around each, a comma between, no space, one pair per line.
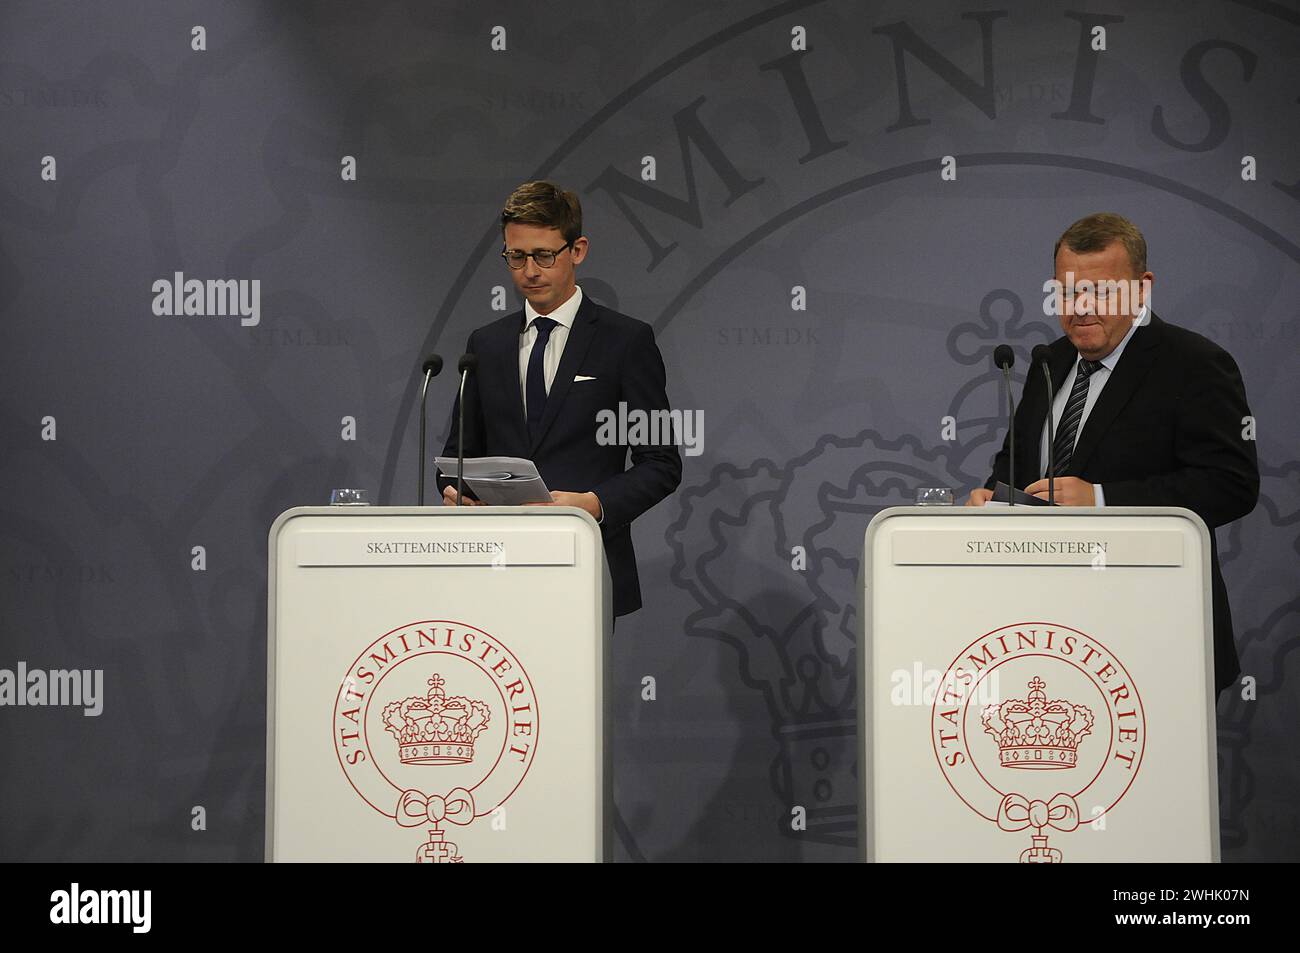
(1031,762)
(424,757)
(719,210)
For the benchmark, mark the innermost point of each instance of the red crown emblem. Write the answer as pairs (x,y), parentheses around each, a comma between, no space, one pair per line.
(435,729)
(1036,732)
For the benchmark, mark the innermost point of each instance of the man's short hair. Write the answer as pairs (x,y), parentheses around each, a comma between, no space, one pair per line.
(1096,232)
(544,204)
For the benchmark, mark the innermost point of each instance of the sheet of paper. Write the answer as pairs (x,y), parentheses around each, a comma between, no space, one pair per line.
(500,481)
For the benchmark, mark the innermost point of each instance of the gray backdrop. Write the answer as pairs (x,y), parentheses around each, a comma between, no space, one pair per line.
(774,168)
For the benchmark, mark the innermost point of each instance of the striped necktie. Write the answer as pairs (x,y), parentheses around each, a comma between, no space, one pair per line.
(1066,430)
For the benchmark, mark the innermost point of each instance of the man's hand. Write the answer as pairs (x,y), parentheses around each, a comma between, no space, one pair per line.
(979,496)
(449,498)
(583,501)
(1070,491)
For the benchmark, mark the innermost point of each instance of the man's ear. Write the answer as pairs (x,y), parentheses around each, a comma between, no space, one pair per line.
(579,251)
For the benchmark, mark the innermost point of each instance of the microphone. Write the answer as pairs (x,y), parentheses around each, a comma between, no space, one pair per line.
(1004,357)
(467,363)
(1042,355)
(431,366)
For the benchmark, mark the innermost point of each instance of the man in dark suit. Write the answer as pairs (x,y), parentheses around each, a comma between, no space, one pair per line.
(545,374)
(1146,413)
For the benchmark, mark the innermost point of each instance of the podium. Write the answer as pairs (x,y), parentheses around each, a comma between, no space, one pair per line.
(436,685)
(1036,685)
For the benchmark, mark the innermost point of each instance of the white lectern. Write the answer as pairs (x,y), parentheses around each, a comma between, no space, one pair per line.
(436,685)
(1037,685)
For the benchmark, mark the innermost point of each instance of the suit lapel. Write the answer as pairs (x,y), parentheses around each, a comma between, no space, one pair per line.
(505,368)
(1139,354)
(575,351)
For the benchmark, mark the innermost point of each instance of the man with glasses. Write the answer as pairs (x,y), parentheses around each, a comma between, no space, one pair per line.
(1145,413)
(546,372)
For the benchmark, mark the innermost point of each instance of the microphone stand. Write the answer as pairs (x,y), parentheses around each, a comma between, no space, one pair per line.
(1011,438)
(428,376)
(460,441)
(1051,440)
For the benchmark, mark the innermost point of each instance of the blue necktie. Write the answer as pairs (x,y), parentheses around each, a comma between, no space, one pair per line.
(535,381)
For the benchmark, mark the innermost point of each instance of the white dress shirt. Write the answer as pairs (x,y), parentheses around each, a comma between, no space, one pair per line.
(1096,382)
(564,316)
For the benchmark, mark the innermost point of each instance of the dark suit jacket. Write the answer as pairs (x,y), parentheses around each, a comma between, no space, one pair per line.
(621,354)
(1166,431)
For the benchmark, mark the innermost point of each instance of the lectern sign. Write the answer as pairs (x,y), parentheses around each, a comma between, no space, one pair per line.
(1059,745)
(458,656)
(435,725)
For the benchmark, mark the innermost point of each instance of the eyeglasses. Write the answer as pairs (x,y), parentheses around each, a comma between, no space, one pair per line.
(1100,293)
(545,259)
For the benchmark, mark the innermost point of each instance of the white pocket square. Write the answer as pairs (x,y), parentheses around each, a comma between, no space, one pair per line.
(581,377)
